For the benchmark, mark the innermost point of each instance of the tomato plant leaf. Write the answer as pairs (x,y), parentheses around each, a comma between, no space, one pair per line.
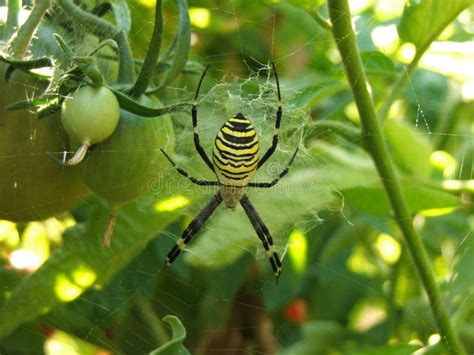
(130,105)
(377,63)
(410,150)
(175,345)
(318,338)
(423,20)
(374,200)
(312,95)
(82,261)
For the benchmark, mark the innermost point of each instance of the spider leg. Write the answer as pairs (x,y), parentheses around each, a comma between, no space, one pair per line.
(274,181)
(197,143)
(263,234)
(276,132)
(193,228)
(185,174)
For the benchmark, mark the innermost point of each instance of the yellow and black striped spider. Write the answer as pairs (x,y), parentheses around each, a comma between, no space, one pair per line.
(235,160)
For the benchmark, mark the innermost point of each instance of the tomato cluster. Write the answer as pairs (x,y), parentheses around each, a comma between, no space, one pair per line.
(124,152)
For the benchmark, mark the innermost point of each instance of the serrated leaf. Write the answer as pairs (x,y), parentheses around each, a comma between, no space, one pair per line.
(374,200)
(175,345)
(423,20)
(410,150)
(83,262)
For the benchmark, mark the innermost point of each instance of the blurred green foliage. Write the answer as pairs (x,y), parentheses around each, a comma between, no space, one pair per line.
(358,283)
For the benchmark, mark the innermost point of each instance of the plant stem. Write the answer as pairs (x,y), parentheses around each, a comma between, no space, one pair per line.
(21,40)
(400,84)
(420,51)
(149,64)
(104,29)
(148,314)
(12,17)
(344,36)
(320,20)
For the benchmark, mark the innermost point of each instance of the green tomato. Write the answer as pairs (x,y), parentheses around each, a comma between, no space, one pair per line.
(32,186)
(121,167)
(90,114)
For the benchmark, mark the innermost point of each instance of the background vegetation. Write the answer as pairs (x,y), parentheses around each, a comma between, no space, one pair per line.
(349,284)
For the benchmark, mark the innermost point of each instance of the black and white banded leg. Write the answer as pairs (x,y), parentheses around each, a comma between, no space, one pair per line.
(278,178)
(197,142)
(276,132)
(185,173)
(263,234)
(193,228)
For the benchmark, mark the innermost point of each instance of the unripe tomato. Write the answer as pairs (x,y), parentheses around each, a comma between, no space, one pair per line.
(90,114)
(120,167)
(32,186)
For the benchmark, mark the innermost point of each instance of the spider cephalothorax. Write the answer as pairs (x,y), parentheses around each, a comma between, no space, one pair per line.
(235,160)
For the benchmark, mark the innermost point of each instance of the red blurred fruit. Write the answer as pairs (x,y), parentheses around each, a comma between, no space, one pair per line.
(297,311)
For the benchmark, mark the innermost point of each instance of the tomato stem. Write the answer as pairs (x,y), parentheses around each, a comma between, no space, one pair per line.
(79,155)
(149,63)
(21,40)
(110,228)
(102,28)
(373,136)
(12,17)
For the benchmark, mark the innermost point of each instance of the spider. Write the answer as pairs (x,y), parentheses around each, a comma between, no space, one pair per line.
(235,160)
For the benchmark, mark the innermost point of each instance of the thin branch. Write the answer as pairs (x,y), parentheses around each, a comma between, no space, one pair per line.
(149,64)
(325,24)
(373,135)
(104,29)
(21,40)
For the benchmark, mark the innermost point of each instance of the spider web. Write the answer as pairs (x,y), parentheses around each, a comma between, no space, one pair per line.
(309,201)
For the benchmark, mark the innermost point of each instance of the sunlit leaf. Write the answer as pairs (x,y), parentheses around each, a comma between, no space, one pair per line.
(409,149)
(83,261)
(375,201)
(377,63)
(423,20)
(175,345)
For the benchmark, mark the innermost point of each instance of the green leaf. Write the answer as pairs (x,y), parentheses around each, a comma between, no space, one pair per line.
(409,149)
(377,63)
(347,131)
(309,5)
(312,95)
(83,262)
(423,20)
(374,200)
(397,349)
(319,337)
(137,108)
(175,345)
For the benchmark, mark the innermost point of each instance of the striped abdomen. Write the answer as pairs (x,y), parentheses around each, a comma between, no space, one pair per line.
(235,154)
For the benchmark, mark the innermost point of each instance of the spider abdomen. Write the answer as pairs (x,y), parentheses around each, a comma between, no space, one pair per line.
(235,155)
